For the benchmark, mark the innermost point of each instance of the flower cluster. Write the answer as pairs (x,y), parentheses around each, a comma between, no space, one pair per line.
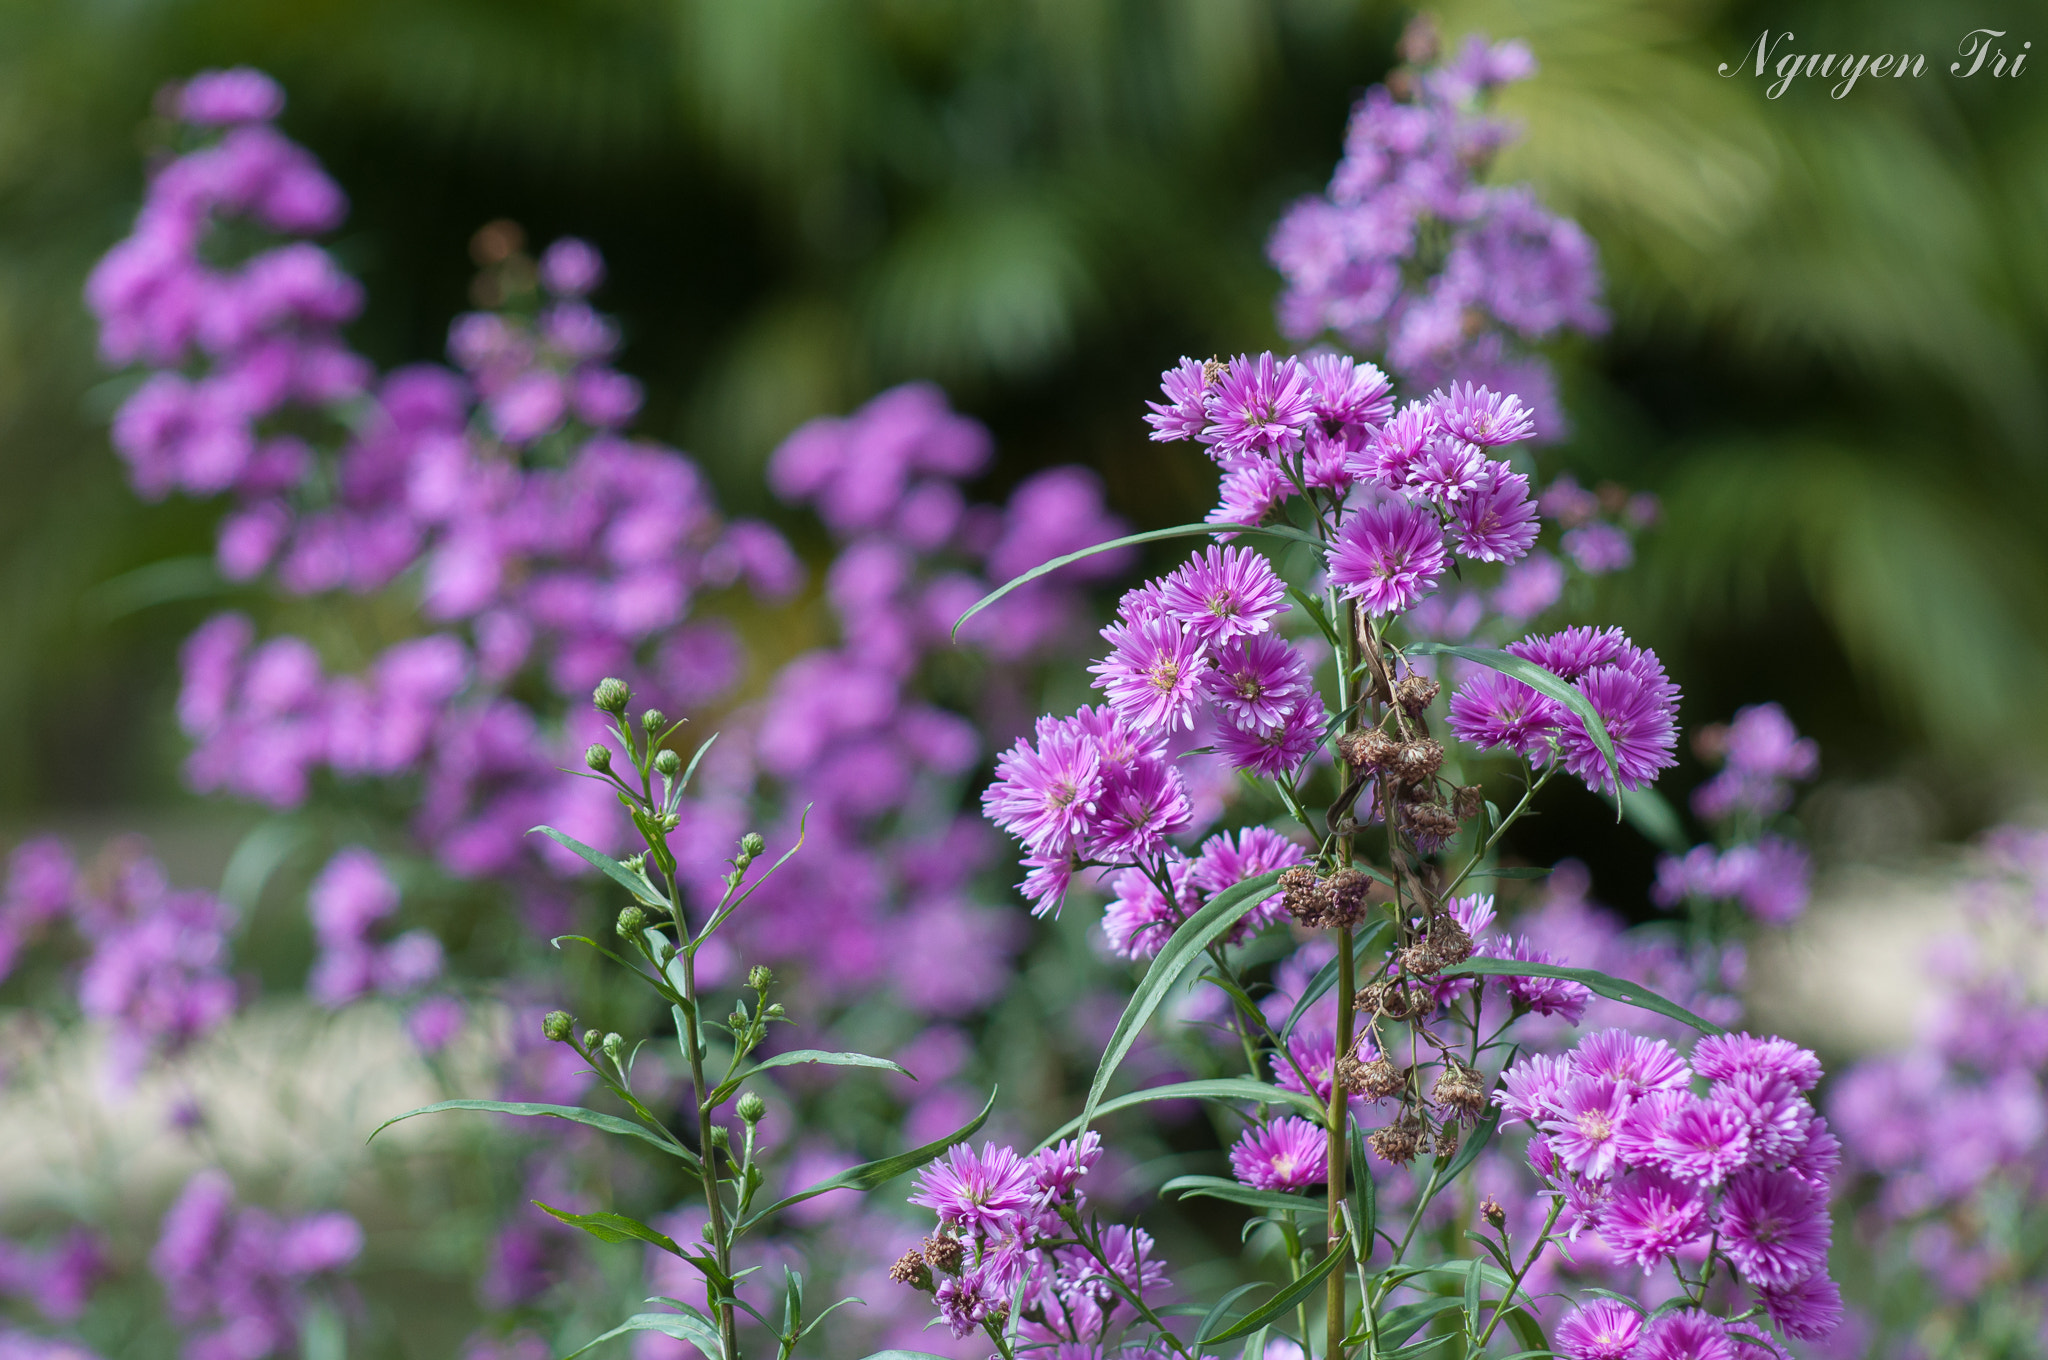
(1765,871)
(239,1276)
(1405,205)
(1623,683)
(1950,1136)
(1665,1177)
(1013,1227)
(349,897)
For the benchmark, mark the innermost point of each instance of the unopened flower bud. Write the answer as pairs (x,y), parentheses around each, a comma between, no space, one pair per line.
(598,756)
(1495,1216)
(592,1038)
(611,695)
(667,762)
(556,1027)
(759,978)
(751,844)
(613,1044)
(672,821)
(655,721)
(631,922)
(720,1137)
(774,1011)
(752,1107)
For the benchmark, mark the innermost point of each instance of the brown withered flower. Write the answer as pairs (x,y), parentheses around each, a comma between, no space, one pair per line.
(912,1269)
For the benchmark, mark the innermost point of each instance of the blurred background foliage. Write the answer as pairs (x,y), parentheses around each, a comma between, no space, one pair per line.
(1828,352)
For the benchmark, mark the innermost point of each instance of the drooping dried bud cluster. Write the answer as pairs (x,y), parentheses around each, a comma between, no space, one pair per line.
(912,1269)
(1395,998)
(1370,750)
(1375,1080)
(1461,1091)
(1446,943)
(1399,1142)
(1415,693)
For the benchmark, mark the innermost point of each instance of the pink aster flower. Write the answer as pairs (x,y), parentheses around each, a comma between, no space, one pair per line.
(1774,1227)
(1690,1335)
(1388,556)
(1636,1061)
(1529,1090)
(1225,861)
(1703,1141)
(1224,593)
(1652,1217)
(983,1194)
(1183,414)
(1140,919)
(1059,1169)
(1250,494)
(1602,1329)
(1571,652)
(1258,407)
(1483,417)
(1542,995)
(1640,712)
(1392,452)
(1448,471)
(1808,1310)
(1348,392)
(1497,521)
(1138,811)
(1045,795)
(1154,677)
(1046,880)
(1272,751)
(1285,1154)
(1588,1115)
(1257,680)
(1719,1057)
(1490,709)
(1314,1052)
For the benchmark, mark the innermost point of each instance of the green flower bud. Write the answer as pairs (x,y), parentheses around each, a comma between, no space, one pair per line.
(557,1026)
(752,845)
(719,1136)
(774,1011)
(759,978)
(592,1038)
(655,721)
(611,695)
(598,757)
(752,1107)
(612,1044)
(671,822)
(631,922)
(668,762)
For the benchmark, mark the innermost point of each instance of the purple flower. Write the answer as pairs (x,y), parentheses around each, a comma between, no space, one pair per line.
(1721,1057)
(1277,749)
(1651,1218)
(1703,1141)
(1058,1169)
(1258,408)
(1490,709)
(1497,522)
(1140,918)
(1045,795)
(1314,1052)
(1598,548)
(1587,1114)
(571,268)
(1482,417)
(1600,1329)
(1284,1154)
(1808,1310)
(1388,556)
(1688,1335)
(1638,1062)
(1774,1227)
(1225,861)
(1154,677)
(1250,494)
(1224,593)
(1257,680)
(224,98)
(1184,413)
(1639,709)
(1530,1089)
(1138,810)
(1529,587)
(980,1194)
(1542,995)
(1449,471)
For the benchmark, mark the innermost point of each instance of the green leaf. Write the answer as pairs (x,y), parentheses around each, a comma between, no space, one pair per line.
(610,1227)
(1650,813)
(1521,871)
(1397,1325)
(1421,1348)
(815,1055)
(1213,1088)
(1528,1331)
(1215,1187)
(868,1175)
(611,868)
(1129,540)
(1194,936)
(903,1355)
(678,1325)
(696,758)
(574,1114)
(1613,988)
(1364,1194)
(1543,682)
(1314,609)
(1215,1315)
(1326,976)
(1279,1303)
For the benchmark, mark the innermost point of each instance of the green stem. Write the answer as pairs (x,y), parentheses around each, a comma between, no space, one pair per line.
(1507,1300)
(693,1053)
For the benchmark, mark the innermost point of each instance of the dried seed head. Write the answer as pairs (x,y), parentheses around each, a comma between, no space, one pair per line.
(1377,1079)
(1417,762)
(1460,1091)
(1398,1142)
(1415,693)
(1447,943)
(1395,998)
(1495,1216)
(1446,1144)
(1371,749)
(1465,804)
(1429,825)
(945,1254)
(1307,897)
(1348,896)
(912,1269)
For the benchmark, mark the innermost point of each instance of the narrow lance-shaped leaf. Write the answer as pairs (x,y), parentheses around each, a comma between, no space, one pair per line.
(1212,1088)
(1215,1187)
(609,867)
(817,1055)
(574,1114)
(1613,988)
(1651,814)
(868,1175)
(677,1325)
(1279,1303)
(610,1227)
(1543,681)
(1187,944)
(1128,541)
